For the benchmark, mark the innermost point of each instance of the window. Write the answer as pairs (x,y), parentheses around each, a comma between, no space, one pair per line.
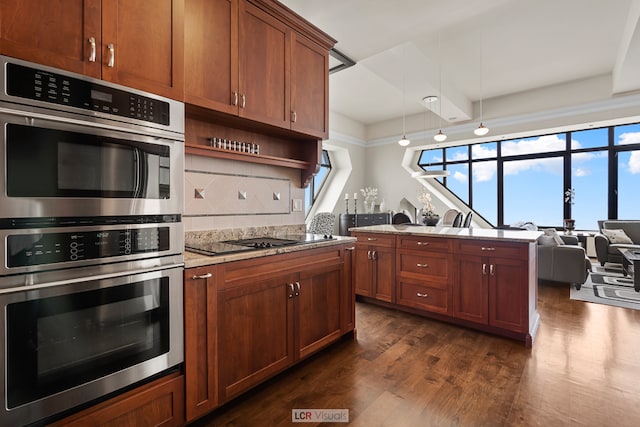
(526,179)
(313,189)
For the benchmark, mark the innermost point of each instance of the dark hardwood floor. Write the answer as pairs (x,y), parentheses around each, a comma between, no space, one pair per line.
(404,370)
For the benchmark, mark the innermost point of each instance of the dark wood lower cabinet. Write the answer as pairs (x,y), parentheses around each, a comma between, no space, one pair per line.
(249,320)
(255,332)
(490,285)
(159,403)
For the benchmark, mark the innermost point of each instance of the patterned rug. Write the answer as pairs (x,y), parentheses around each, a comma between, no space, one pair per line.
(606,285)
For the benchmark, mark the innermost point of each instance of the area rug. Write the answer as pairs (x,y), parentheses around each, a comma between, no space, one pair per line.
(606,285)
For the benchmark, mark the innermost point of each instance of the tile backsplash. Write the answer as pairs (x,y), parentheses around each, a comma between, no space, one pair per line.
(226,194)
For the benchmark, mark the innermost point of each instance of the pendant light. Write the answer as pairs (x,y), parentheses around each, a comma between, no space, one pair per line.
(404,141)
(440,136)
(482,129)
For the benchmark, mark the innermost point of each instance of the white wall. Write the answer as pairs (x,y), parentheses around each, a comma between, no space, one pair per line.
(382,163)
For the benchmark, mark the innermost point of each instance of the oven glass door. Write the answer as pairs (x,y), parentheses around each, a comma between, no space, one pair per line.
(43,162)
(60,342)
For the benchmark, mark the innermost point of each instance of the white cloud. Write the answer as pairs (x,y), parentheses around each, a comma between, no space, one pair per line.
(629,138)
(552,165)
(459,176)
(481,151)
(634,162)
(484,171)
(582,172)
(543,144)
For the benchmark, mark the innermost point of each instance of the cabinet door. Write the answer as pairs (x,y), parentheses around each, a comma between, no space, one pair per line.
(362,271)
(508,287)
(309,87)
(264,44)
(54,33)
(255,334)
(318,308)
(470,291)
(211,56)
(143,45)
(384,276)
(200,341)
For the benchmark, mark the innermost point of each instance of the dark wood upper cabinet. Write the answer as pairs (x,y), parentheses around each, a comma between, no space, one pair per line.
(258,60)
(121,41)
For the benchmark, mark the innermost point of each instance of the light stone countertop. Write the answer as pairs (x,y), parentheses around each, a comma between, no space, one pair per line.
(462,233)
(192,259)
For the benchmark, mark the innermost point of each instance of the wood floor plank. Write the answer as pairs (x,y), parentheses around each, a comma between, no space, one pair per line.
(404,370)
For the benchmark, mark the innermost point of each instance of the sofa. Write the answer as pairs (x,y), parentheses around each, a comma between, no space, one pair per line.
(615,235)
(562,259)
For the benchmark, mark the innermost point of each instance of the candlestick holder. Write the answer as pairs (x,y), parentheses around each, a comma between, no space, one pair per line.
(346,206)
(355,206)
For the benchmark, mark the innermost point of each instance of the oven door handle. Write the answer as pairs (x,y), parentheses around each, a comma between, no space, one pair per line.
(31,284)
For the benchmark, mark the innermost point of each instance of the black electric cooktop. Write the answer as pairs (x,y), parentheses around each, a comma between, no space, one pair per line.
(254,243)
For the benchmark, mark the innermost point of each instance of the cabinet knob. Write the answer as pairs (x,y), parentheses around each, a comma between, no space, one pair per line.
(421,295)
(422,265)
(92,54)
(202,276)
(112,55)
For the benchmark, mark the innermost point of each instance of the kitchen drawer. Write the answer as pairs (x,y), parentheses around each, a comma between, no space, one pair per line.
(493,248)
(431,266)
(423,297)
(424,243)
(387,240)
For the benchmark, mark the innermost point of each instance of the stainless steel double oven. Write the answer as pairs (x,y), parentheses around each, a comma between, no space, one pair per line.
(91,239)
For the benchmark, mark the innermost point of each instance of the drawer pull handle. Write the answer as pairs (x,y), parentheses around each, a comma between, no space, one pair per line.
(112,55)
(92,55)
(418,294)
(235,99)
(244,101)
(291,290)
(492,270)
(294,116)
(422,243)
(422,265)
(372,239)
(484,269)
(202,276)
(297,289)
(488,249)
(349,249)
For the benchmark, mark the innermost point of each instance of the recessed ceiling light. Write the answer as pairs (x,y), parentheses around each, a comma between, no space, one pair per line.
(429,99)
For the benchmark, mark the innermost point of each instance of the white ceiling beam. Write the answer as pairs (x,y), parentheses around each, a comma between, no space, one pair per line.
(626,72)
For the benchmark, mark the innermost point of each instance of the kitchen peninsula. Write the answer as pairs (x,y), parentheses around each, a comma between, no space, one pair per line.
(485,279)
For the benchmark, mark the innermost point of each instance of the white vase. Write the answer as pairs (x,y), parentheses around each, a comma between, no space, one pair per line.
(383,206)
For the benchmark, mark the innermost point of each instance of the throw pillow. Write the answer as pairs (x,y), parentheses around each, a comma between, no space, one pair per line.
(617,236)
(545,240)
(554,234)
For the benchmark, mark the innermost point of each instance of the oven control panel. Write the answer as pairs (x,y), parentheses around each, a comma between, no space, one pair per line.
(54,88)
(50,248)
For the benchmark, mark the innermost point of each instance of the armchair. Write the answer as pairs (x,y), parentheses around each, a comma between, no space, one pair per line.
(609,242)
(566,262)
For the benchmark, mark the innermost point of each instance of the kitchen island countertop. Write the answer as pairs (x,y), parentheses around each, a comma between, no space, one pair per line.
(462,233)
